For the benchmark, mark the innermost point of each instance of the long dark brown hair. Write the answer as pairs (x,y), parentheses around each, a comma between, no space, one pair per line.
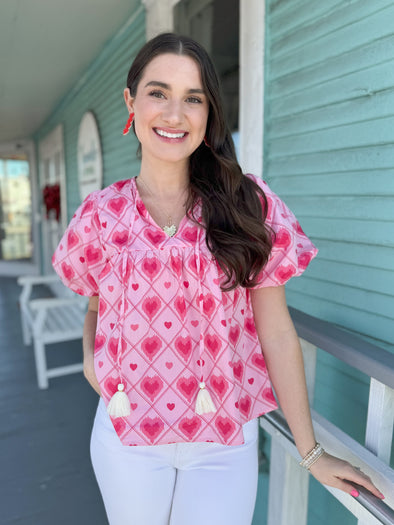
(232,212)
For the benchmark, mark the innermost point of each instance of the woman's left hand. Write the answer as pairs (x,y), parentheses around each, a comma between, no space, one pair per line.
(340,474)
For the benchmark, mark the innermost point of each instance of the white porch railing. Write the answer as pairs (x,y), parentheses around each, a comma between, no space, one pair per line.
(288,485)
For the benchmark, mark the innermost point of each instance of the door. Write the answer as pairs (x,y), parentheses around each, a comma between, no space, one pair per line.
(19,241)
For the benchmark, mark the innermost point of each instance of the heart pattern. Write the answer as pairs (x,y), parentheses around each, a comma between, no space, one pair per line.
(187,387)
(151,345)
(151,428)
(225,426)
(160,296)
(219,385)
(120,238)
(183,345)
(72,240)
(151,386)
(190,426)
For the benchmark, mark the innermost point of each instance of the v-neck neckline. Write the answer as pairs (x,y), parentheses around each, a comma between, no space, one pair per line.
(148,216)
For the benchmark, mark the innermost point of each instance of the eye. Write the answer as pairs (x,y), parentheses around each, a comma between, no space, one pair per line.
(157,94)
(194,100)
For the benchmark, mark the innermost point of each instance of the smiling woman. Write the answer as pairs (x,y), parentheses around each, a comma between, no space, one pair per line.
(187,323)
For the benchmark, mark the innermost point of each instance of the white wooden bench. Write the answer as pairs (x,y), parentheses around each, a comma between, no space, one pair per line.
(50,320)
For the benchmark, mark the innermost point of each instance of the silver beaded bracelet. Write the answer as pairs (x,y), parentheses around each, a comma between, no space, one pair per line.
(312,456)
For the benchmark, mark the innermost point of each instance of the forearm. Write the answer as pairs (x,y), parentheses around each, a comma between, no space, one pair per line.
(285,365)
(89,334)
(283,355)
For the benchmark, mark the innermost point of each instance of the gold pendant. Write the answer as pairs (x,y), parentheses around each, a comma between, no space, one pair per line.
(170,230)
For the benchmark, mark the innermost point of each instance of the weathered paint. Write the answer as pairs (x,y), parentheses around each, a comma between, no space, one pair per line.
(328,152)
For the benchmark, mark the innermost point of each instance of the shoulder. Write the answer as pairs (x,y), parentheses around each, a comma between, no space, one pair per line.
(114,198)
(119,188)
(277,210)
(116,195)
(258,180)
(272,198)
(260,183)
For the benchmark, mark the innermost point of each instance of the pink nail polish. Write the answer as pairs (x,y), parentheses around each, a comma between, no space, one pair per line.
(381,496)
(354,493)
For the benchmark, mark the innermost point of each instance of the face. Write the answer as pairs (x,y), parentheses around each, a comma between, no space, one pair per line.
(170,108)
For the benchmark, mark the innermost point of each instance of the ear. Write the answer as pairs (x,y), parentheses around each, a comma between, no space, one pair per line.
(129,100)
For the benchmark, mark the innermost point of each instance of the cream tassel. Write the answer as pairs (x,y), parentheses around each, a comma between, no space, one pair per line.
(119,405)
(204,403)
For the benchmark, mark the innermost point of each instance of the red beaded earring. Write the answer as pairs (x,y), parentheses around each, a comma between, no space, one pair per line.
(129,123)
(206,143)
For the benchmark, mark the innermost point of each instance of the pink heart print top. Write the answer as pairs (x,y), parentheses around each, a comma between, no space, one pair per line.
(164,324)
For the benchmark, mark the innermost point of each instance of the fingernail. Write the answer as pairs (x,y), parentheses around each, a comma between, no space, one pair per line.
(354,493)
(381,496)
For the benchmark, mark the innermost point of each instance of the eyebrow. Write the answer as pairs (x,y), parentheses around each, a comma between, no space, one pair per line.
(163,85)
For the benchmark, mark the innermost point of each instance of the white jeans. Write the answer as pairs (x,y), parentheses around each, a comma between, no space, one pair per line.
(175,484)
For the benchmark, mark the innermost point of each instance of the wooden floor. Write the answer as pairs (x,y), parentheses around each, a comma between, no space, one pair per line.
(46,476)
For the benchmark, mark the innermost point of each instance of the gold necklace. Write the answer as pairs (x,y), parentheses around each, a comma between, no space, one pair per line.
(170,229)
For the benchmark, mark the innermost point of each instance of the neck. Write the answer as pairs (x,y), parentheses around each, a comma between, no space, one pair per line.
(165,179)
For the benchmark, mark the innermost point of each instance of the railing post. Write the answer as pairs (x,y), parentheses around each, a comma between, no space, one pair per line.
(288,489)
(288,482)
(380,419)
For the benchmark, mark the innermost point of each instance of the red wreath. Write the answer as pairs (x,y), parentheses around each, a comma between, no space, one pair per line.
(51,197)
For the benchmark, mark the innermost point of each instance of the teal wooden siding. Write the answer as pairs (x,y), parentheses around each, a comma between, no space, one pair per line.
(100,90)
(329,153)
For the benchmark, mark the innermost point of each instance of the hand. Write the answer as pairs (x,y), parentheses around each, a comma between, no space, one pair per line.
(340,474)
(89,373)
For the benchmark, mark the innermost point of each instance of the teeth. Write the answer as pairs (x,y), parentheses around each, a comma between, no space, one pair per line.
(170,135)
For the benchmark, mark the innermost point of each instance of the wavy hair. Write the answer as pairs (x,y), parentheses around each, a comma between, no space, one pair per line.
(234,207)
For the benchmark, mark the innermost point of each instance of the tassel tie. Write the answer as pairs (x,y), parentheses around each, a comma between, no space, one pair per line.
(119,404)
(204,403)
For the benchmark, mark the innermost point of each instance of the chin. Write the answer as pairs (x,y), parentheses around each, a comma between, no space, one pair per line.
(175,157)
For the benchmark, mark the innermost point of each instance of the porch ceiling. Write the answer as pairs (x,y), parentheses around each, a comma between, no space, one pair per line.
(45,45)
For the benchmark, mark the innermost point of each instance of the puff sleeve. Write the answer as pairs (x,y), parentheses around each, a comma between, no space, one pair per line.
(292,250)
(79,257)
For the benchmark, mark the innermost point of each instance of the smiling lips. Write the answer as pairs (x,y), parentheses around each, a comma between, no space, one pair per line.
(168,135)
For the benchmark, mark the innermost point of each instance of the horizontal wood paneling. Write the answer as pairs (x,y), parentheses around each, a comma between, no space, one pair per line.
(356,254)
(375,106)
(100,90)
(371,183)
(356,317)
(345,26)
(346,136)
(360,84)
(286,16)
(355,231)
(341,161)
(328,152)
(329,145)
(358,207)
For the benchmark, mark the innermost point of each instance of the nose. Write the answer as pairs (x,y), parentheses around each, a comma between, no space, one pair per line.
(172,113)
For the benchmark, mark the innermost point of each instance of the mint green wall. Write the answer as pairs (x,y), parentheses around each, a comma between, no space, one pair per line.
(328,152)
(100,90)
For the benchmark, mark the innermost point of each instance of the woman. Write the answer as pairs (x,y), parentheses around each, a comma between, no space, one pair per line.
(185,266)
